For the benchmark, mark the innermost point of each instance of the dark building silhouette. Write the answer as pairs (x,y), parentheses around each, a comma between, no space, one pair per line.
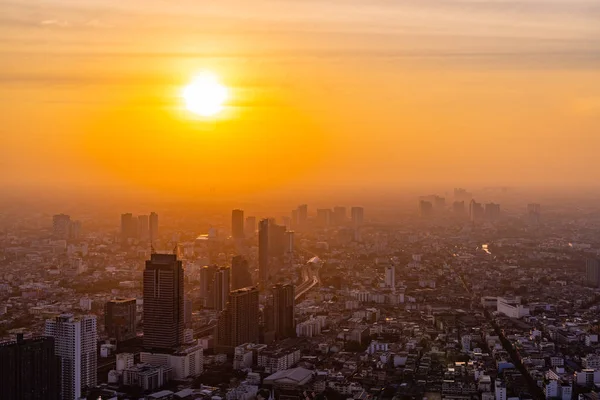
(357,215)
(163,303)
(238,323)
(263,251)
(425,208)
(237,224)
(534,213)
(153,227)
(240,273)
(143,227)
(592,272)
(129,227)
(459,207)
(283,311)
(302,214)
(61,226)
(250,226)
(276,240)
(119,319)
(492,211)
(476,211)
(221,288)
(207,276)
(29,369)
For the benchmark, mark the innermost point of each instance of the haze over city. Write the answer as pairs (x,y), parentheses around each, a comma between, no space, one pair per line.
(299,200)
(321,94)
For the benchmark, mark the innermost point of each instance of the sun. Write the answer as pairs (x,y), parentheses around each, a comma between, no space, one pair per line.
(205,95)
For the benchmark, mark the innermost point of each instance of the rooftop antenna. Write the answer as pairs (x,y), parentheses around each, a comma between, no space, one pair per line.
(176,249)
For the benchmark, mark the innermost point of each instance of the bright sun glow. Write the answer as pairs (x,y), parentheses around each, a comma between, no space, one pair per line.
(205,95)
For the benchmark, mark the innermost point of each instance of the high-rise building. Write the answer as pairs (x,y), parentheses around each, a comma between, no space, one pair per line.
(534,213)
(188,309)
(302,214)
(29,369)
(221,288)
(75,230)
(237,224)
(61,226)
(283,311)
(289,242)
(163,303)
(439,202)
(592,272)
(263,251)
(339,215)
(153,227)
(459,207)
(295,217)
(238,323)
(75,345)
(207,276)
(323,217)
(129,227)
(276,240)
(492,211)
(119,319)
(425,208)
(357,215)
(143,227)
(390,276)
(250,226)
(476,211)
(461,194)
(240,273)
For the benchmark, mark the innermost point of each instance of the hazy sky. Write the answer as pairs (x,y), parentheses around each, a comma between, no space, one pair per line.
(344,92)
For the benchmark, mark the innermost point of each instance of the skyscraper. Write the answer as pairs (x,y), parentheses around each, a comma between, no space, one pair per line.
(237,224)
(476,211)
(153,227)
(357,215)
(534,212)
(29,369)
(129,227)
(459,207)
(250,226)
(425,208)
(289,242)
(221,288)
(163,303)
(263,251)
(592,272)
(302,214)
(240,273)
(207,276)
(390,276)
(75,345)
(119,319)
(143,227)
(492,211)
(276,240)
(61,226)
(283,311)
(238,323)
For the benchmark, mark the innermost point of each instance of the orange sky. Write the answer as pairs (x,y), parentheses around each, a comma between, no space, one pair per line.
(341,92)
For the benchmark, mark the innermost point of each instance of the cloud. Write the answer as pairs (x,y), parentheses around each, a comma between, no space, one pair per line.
(55,22)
